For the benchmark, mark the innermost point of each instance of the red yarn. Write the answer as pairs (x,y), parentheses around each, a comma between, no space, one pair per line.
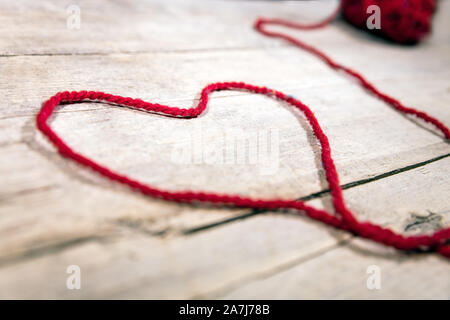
(343,217)
(403,21)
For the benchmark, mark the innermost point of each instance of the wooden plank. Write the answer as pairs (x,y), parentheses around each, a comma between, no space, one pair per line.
(247,259)
(140,26)
(177,78)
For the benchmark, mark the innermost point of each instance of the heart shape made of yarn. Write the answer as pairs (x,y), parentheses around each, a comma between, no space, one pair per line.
(343,218)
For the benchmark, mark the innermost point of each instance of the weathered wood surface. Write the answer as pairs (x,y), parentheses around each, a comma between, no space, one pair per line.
(263,253)
(54,213)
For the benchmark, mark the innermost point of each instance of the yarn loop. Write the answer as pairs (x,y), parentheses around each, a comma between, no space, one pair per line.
(342,218)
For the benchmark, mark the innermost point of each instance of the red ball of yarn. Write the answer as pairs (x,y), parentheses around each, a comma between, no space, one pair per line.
(402,21)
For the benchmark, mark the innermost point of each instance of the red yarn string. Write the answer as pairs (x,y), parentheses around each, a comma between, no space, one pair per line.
(343,217)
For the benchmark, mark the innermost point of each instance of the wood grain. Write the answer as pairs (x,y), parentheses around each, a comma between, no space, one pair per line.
(54,213)
(272,255)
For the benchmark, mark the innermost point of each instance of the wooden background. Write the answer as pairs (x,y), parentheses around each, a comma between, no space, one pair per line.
(54,214)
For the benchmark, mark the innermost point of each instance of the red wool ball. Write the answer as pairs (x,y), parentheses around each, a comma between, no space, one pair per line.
(402,21)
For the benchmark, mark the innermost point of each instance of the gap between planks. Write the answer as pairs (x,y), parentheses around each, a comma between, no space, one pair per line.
(174,51)
(316,195)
